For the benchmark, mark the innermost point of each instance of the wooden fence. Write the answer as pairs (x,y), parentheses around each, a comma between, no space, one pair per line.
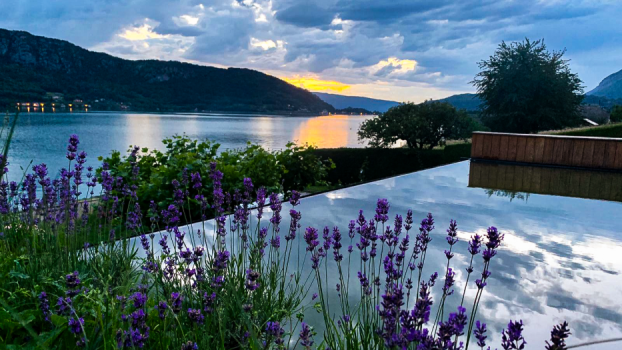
(574,151)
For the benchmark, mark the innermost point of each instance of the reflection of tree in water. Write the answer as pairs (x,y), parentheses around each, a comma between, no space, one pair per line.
(509,194)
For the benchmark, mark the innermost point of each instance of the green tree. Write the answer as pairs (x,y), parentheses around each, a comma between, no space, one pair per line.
(420,125)
(525,88)
(616,114)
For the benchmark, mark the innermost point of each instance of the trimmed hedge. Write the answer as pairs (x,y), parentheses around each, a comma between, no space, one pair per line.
(609,130)
(355,165)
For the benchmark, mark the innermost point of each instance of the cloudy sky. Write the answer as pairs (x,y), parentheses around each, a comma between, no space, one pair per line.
(404,50)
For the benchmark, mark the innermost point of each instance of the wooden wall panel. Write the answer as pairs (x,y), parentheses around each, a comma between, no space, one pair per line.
(584,152)
(539,150)
(618,162)
(521,143)
(598,156)
(577,153)
(530,149)
(610,155)
(504,146)
(512,148)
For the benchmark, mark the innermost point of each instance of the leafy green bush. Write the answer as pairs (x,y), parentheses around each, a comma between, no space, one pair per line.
(354,165)
(293,168)
(616,114)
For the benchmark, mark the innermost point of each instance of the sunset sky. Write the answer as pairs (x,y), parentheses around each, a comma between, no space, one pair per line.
(402,50)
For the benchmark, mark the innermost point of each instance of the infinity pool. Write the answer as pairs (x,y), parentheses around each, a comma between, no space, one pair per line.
(561,258)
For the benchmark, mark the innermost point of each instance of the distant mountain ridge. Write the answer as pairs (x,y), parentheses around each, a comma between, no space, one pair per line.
(470,102)
(33,66)
(610,87)
(343,102)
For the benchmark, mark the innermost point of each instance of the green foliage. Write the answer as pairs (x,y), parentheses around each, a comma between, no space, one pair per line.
(525,88)
(294,168)
(609,130)
(354,165)
(420,125)
(616,114)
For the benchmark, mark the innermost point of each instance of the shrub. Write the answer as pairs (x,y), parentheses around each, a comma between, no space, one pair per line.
(157,175)
(616,114)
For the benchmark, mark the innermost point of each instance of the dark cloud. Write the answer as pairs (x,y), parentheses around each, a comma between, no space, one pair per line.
(305,14)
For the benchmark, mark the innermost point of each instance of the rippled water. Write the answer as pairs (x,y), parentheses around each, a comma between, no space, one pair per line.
(42,137)
(560,259)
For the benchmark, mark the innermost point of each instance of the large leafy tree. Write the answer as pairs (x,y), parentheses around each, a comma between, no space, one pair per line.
(525,88)
(420,125)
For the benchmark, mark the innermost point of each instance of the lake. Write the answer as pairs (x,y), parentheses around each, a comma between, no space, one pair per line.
(42,137)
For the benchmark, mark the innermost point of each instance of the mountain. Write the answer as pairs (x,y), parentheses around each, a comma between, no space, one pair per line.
(34,67)
(343,102)
(610,87)
(470,102)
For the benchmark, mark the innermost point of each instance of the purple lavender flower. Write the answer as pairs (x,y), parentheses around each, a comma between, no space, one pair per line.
(251,279)
(294,224)
(75,326)
(275,206)
(176,301)
(162,306)
(195,316)
(409,220)
(480,334)
(274,329)
(221,261)
(558,337)
(306,339)
(72,280)
(261,201)
(72,147)
(474,244)
(512,337)
(294,200)
(64,306)
(195,178)
(189,346)
(139,299)
(311,237)
(449,282)
(209,300)
(44,305)
(336,238)
(382,210)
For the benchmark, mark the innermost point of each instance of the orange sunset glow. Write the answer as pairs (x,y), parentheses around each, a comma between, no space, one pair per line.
(314,84)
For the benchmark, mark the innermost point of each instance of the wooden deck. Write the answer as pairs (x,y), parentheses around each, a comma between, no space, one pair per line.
(572,151)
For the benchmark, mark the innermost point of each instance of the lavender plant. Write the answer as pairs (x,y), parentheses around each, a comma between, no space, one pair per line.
(69,264)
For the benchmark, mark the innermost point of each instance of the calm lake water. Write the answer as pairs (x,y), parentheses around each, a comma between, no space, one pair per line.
(560,259)
(42,138)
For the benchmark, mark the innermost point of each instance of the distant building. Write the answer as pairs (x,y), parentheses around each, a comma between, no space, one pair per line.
(77,100)
(54,96)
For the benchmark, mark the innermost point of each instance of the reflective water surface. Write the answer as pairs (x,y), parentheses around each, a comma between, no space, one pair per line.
(561,258)
(42,137)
